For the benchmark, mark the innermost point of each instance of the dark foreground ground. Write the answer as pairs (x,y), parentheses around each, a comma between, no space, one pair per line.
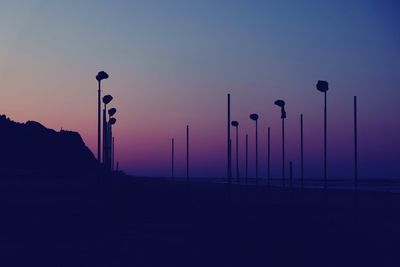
(155,223)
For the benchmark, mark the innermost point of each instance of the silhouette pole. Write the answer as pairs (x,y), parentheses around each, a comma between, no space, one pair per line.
(301,151)
(173,157)
(105,127)
(187,152)
(229,172)
(111,113)
(247,157)
(111,122)
(322,86)
(355,145)
(269,157)
(236,125)
(106,100)
(281,104)
(254,117)
(113,153)
(291,173)
(102,75)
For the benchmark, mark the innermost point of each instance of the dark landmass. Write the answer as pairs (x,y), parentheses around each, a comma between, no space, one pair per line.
(32,150)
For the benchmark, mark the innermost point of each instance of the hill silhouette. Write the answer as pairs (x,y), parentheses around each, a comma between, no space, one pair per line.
(31,149)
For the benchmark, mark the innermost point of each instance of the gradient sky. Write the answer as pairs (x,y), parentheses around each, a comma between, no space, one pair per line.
(171,63)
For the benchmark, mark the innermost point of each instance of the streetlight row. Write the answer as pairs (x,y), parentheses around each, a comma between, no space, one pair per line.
(108,141)
(321,86)
(109,144)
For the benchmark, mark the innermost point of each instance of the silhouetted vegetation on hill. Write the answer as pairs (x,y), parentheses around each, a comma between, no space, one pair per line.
(31,149)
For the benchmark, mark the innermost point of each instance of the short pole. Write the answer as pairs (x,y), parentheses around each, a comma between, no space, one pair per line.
(113,153)
(247,157)
(269,157)
(172,157)
(355,145)
(301,151)
(291,173)
(187,152)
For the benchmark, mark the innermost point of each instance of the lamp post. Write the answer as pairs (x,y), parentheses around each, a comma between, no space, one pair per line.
(229,145)
(106,100)
(102,75)
(355,145)
(236,125)
(247,158)
(254,117)
(187,153)
(323,87)
(269,157)
(111,122)
(281,104)
(301,151)
(111,113)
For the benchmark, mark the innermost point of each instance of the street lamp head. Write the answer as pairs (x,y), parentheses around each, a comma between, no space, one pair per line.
(112,111)
(107,99)
(280,103)
(322,86)
(101,76)
(112,121)
(254,116)
(235,123)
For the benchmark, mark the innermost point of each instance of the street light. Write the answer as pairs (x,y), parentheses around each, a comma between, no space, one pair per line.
(229,145)
(281,104)
(323,87)
(254,117)
(111,112)
(236,125)
(110,142)
(112,121)
(102,75)
(187,153)
(106,100)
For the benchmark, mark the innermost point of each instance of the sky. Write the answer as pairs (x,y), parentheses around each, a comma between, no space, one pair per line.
(171,64)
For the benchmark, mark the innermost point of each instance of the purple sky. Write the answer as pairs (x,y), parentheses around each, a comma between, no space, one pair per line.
(171,63)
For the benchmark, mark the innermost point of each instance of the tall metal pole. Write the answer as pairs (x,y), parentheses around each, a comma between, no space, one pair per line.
(291,173)
(301,151)
(280,103)
(283,151)
(355,145)
(109,145)
(187,152)
(172,157)
(269,157)
(104,135)
(257,152)
(325,141)
(247,157)
(229,172)
(99,123)
(237,154)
